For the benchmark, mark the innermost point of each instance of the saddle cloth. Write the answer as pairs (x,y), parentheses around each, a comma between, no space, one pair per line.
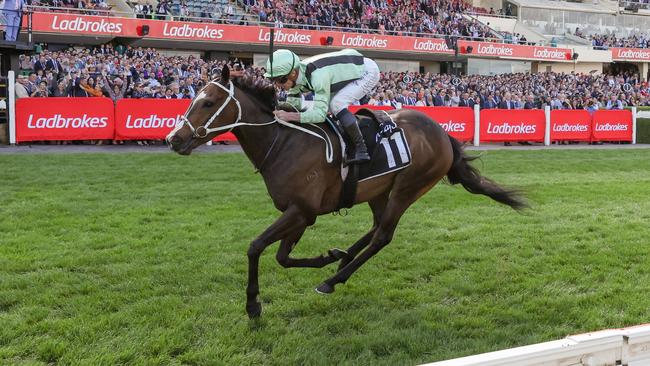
(387,146)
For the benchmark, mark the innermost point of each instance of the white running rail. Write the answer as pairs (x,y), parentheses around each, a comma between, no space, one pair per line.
(627,347)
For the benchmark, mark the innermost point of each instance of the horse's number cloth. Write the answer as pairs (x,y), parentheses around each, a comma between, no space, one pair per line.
(389,150)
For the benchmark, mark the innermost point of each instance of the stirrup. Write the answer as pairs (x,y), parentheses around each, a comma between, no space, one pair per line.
(357,159)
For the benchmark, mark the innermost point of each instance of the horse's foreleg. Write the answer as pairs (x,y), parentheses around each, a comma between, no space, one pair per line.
(288,243)
(290,221)
(380,238)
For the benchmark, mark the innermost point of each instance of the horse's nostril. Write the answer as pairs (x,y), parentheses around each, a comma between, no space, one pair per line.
(175,140)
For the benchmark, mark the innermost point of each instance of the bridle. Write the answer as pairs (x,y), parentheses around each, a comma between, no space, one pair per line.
(203,131)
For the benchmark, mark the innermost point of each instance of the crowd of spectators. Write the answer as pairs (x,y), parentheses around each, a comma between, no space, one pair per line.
(184,10)
(399,17)
(88,7)
(126,72)
(513,91)
(115,72)
(603,42)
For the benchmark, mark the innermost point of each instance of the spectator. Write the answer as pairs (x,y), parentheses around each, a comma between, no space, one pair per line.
(21,87)
(613,103)
(41,91)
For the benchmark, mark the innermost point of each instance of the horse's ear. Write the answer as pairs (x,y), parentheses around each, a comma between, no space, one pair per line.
(225,75)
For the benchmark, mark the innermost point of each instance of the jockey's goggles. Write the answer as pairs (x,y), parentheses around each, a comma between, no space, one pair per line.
(280,79)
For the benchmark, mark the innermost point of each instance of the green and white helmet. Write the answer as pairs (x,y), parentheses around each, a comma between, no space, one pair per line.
(284,61)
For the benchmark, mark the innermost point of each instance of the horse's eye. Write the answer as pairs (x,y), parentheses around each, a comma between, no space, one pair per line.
(207,104)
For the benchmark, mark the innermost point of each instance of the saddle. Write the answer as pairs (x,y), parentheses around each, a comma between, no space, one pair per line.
(387,147)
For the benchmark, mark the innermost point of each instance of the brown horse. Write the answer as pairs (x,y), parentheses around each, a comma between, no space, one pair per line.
(303,185)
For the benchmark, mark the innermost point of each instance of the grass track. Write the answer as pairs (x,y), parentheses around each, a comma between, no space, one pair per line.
(110,259)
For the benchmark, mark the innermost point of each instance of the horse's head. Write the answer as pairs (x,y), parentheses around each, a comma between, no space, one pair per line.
(213,111)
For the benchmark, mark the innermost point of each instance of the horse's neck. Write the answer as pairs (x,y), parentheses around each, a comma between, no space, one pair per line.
(256,140)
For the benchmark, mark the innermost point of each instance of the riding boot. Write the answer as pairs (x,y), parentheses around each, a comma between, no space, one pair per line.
(349,122)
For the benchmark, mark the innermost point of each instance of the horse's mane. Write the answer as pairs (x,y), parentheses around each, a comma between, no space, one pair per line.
(258,89)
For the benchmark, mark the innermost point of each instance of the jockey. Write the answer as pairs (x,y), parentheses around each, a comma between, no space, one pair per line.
(337,79)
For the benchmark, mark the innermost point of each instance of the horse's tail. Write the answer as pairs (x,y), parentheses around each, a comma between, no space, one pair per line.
(462,172)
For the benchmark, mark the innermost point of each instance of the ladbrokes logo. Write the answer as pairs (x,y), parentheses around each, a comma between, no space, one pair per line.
(58,121)
(567,127)
(507,128)
(452,126)
(549,54)
(190,31)
(607,127)
(364,41)
(153,121)
(284,36)
(494,50)
(78,24)
(632,54)
(430,45)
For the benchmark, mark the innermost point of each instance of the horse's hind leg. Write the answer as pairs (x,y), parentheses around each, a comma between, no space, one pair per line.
(380,238)
(401,197)
(377,205)
(287,244)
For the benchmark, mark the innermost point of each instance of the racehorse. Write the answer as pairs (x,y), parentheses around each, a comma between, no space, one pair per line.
(303,185)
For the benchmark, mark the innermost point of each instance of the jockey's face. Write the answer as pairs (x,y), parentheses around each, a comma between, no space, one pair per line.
(288,81)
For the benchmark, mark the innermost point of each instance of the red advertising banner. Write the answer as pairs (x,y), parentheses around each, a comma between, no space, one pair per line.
(47,119)
(612,126)
(570,125)
(506,50)
(76,24)
(355,108)
(151,119)
(631,54)
(457,121)
(512,125)
(147,119)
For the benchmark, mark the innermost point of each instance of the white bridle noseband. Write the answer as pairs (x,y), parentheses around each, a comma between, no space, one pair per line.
(204,130)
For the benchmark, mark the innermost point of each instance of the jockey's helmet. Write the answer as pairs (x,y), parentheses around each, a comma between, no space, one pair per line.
(284,61)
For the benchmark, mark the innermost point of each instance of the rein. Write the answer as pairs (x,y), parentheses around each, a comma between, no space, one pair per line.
(204,130)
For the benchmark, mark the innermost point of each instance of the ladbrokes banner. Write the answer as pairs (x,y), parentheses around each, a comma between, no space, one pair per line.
(570,125)
(457,121)
(151,119)
(631,54)
(147,119)
(40,119)
(512,125)
(75,24)
(612,126)
(505,50)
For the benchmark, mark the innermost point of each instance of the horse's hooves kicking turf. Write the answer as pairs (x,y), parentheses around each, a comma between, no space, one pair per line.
(324,289)
(255,310)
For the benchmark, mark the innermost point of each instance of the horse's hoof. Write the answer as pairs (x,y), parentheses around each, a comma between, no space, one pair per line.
(324,289)
(338,253)
(254,310)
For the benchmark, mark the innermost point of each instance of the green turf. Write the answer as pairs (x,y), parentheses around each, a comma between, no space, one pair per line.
(643,130)
(141,259)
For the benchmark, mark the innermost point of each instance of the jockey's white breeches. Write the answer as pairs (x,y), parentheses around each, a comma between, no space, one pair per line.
(357,89)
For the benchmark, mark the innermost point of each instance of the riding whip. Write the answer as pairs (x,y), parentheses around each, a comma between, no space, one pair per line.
(271,51)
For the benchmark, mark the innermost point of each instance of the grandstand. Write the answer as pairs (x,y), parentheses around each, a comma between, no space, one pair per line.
(595,50)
